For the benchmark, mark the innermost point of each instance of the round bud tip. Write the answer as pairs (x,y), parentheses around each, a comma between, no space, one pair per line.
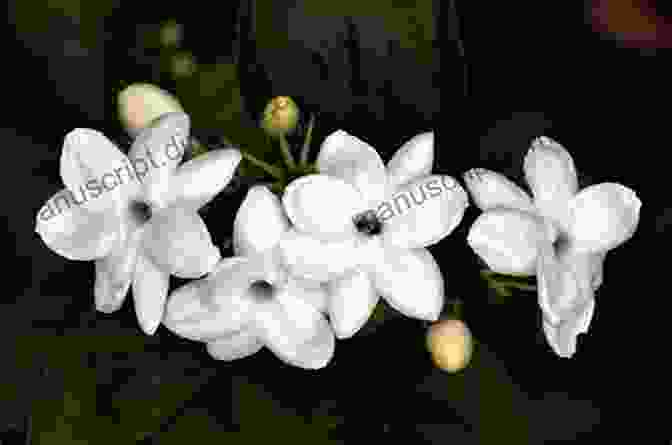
(281,116)
(451,345)
(141,103)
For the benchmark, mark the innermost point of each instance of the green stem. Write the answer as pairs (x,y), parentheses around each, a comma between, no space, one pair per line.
(509,284)
(306,141)
(268,168)
(289,159)
(489,273)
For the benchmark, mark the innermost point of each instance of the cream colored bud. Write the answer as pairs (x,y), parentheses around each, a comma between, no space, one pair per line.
(280,116)
(450,343)
(141,103)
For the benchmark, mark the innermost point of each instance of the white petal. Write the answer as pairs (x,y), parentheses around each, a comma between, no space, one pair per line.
(150,291)
(260,222)
(311,259)
(313,292)
(603,216)
(114,273)
(198,180)
(351,303)
(506,240)
(155,154)
(597,269)
(423,212)
(356,162)
(562,337)
(412,161)
(559,289)
(295,331)
(550,173)
(75,232)
(215,306)
(490,189)
(323,206)
(235,346)
(410,281)
(94,169)
(178,241)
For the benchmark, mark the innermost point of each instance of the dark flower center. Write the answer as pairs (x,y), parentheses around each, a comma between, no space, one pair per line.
(561,243)
(368,223)
(262,290)
(140,211)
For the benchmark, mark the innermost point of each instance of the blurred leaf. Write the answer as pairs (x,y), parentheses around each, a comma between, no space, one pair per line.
(410,22)
(264,419)
(83,362)
(357,64)
(158,390)
(486,396)
(212,98)
(198,423)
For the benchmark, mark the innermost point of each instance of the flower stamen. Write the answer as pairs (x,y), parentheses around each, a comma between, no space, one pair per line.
(368,223)
(262,290)
(141,212)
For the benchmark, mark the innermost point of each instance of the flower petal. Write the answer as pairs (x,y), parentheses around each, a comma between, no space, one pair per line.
(412,161)
(490,189)
(215,306)
(197,181)
(260,222)
(150,291)
(235,346)
(597,266)
(156,152)
(356,162)
(423,212)
(323,206)
(312,292)
(114,273)
(410,281)
(178,241)
(75,232)
(90,162)
(506,240)
(311,259)
(550,173)
(603,216)
(558,289)
(562,337)
(352,300)
(295,331)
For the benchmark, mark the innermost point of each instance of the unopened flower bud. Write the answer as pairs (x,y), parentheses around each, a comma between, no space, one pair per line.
(450,344)
(141,103)
(280,116)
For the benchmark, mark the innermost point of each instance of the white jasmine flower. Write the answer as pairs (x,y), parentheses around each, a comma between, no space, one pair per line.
(136,216)
(562,235)
(363,227)
(250,301)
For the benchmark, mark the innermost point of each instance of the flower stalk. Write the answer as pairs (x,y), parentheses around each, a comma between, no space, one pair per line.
(306,142)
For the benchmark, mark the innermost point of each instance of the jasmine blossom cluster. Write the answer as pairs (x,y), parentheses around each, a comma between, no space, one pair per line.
(311,264)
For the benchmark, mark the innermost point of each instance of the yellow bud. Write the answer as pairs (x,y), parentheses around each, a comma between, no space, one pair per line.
(280,116)
(141,103)
(451,345)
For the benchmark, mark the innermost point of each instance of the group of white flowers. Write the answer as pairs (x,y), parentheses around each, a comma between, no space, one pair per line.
(311,266)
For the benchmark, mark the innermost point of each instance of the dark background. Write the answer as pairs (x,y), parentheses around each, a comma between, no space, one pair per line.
(596,80)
